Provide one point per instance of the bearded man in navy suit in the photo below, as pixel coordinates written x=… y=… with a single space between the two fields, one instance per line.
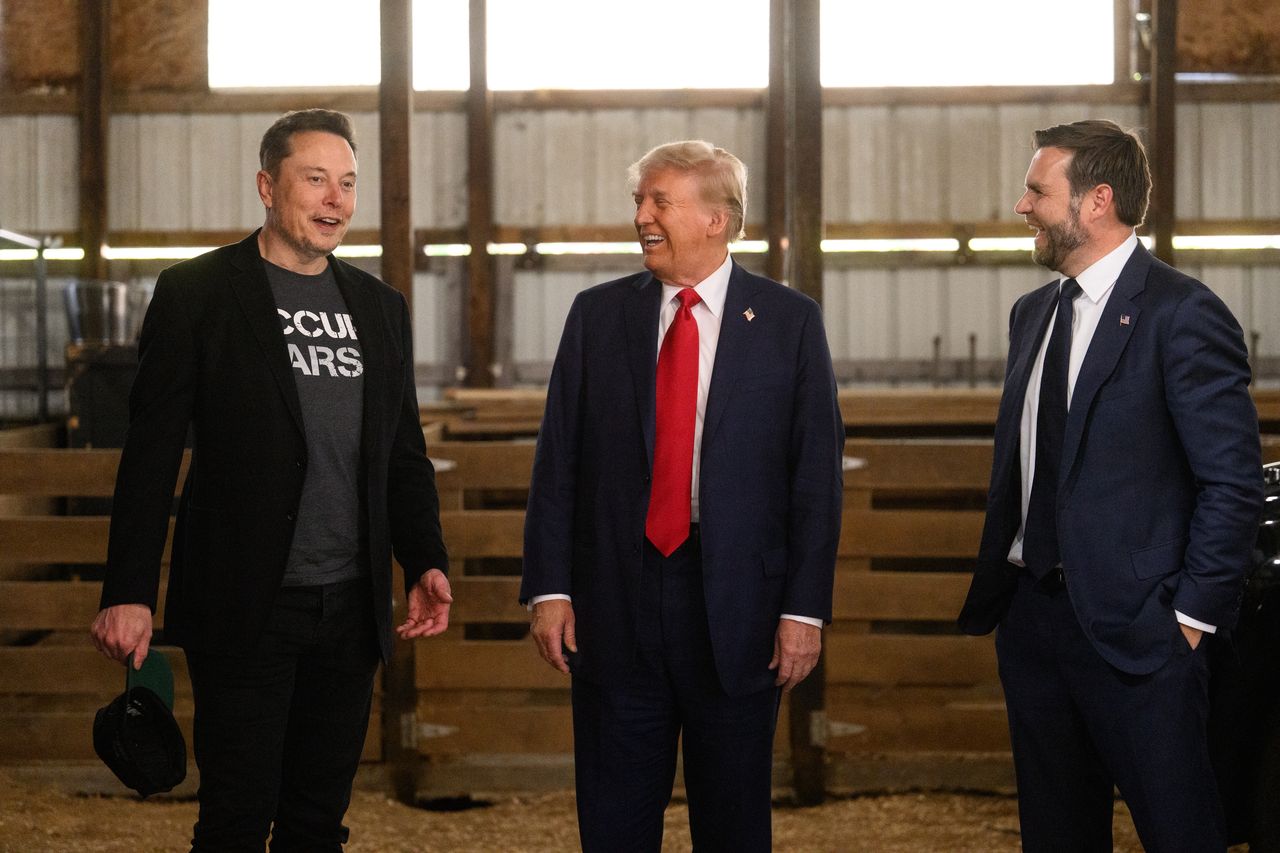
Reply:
x=683 y=516
x=1124 y=501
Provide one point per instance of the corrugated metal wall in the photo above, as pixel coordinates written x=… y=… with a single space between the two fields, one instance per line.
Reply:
x=567 y=167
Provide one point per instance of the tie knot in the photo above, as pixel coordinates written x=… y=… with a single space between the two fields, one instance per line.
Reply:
x=688 y=297
x=1070 y=290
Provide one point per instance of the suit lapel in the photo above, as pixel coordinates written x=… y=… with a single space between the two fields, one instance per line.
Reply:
x=731 y=348
x=641 y=311
x=1109 y=341
x=366 y=315
x=249 y=284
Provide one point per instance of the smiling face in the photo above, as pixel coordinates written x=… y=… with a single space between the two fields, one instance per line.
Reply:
x=1049 y=208
x=309 y=201
x=684 y=238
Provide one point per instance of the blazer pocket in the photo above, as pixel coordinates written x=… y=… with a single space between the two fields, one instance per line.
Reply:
x=1159 y=560
x=774 y=562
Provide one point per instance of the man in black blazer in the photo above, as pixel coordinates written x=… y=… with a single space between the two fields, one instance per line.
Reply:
x=294 y=373
x=683 y=516
x=1124 y=501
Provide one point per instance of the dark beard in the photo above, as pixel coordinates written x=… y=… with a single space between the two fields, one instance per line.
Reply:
x=1061 y=240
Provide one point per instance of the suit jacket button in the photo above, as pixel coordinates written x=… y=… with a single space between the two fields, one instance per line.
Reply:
x=291 y=516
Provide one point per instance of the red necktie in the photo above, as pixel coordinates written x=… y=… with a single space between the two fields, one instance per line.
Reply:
x=667 y=524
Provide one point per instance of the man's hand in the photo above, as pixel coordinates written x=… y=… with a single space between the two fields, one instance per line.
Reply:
x=429 y=601
x=122 y=630
x=796 y=647
x=552 y=631
x=1193 y=635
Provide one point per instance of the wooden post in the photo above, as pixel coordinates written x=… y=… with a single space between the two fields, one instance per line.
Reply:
x=1162 y=121
x=794 y=227
x=395 y=114
x=480 y=347
x=95 y=116
x=395 y=117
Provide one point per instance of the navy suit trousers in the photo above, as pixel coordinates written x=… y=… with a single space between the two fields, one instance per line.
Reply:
x=1080 y=726
x=625 y=737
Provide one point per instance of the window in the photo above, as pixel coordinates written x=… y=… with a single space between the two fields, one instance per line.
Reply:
x=983 y=43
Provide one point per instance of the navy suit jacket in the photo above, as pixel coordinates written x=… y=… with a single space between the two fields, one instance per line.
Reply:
x=1161 y=479
x=213 y=356
x=770 y=475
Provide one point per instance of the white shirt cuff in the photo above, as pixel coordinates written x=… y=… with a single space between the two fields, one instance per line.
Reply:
x=555 y=596
x=808 y=620
x=1195 y=623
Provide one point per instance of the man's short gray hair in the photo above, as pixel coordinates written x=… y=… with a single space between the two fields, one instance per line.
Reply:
x=722 y=176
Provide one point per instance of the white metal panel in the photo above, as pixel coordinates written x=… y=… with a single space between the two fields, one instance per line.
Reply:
x=18 y=168
x=1264 y=309
x=438 y=155
x=1234 y=286
x=972 y=181
x=569 y=166
x=541 y=303
x=164 y=172
x=57 y=173
x=218 y=177
x=252 y=127
x=973 y=307
x=518 y=168
x=1188 y=195
x=369 y=188
x=1224 y=160
x=919 y=310
x=431 y=315
x=124 y=204
x=1263 y=174
x=859 y=307
x=861 y=184
x=741 y=132
x=917 y=148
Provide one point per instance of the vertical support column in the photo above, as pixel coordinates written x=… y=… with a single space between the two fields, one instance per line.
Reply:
x=95 y=116
x=395 y=116
x=480 y=347
x=794 y=226
x=1162 y=121
x=395 y=113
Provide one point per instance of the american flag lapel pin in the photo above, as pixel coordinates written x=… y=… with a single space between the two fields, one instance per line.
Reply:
x=1124 y=319
x=749 y=314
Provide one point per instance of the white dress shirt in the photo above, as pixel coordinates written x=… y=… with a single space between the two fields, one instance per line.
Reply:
x=711 y=291
x=1096 y=284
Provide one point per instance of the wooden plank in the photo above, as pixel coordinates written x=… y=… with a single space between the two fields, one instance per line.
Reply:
x=484 y=532
x=480 y=277
x=901 y=407
x=910 y=533
x=395 y=117
x=870 y=596
x=95 y=122
x=484 y=599
x=876 y=720
x=910 y=660
x=932 y=465
x=484 y=464
x=63 y=472
x=490 y=664
x=67 y=670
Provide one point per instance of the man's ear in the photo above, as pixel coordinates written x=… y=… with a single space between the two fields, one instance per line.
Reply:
x=1098 y=202
x=719 y=221
x=265 y=188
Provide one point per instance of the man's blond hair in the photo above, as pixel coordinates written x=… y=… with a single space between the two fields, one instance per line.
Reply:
x=722 y=176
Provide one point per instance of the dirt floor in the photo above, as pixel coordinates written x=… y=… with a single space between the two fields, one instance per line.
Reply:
x=36 y=817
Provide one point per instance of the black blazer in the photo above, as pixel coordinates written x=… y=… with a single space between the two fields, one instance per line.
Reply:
x=769 y=480
x=1161 y=484
x=213 y=357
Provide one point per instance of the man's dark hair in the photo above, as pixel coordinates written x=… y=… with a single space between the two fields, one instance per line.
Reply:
x=1103 y=153
x=276 y=142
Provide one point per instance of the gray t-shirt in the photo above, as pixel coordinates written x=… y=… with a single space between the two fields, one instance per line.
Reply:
x=325 y=352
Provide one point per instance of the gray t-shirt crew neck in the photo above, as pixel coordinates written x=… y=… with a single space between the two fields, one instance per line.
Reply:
x=328 y=369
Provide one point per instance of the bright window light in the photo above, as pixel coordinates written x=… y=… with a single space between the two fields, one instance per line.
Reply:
x=661 y=44
x=983 y=43
x=66 y=254
x=266 y=45
x=932 y=244
x=1228 y=242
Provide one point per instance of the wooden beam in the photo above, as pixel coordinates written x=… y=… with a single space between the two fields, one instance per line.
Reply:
x=395 y=116
x=95 y=118
x=1162 y=121
x=777 y=116
x=480 y=318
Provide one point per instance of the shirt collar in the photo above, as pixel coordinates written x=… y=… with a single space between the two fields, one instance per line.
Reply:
x=712 y=290
x=1098 y=278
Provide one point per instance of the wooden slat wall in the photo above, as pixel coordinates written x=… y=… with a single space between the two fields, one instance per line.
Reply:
x=899 y=681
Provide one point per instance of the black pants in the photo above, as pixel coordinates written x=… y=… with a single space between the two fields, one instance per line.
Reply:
x=279 y=727
x=625 y=737
x=1079 y=727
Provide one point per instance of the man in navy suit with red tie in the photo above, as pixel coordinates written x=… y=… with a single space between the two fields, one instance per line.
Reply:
x=1124 y=502
x=683 y=516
